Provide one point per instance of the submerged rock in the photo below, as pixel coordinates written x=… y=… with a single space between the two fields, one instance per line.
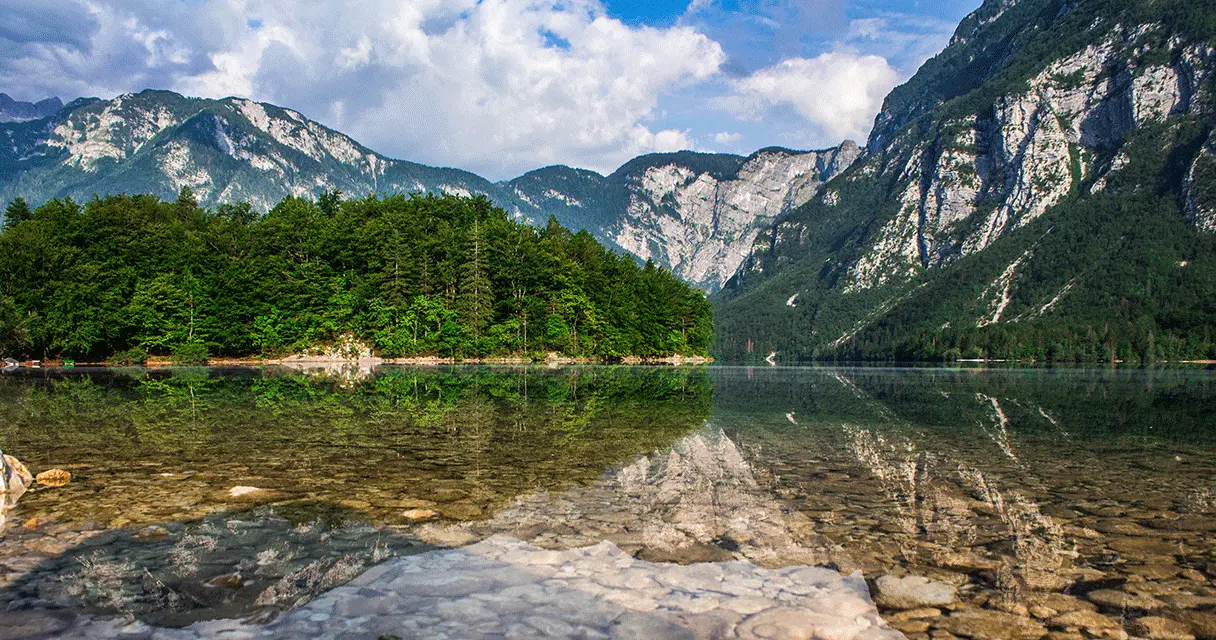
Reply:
x=15 y=479
x=699 y=501
x=417 y=515
x=228 y=580
x=983 y=624
x=246 y=492
x=912 y=592
x=1157 y=628
x=53 y=478
x=1123 y=601
x=152 y=532
x=1093 y=623
x=1202 y=624
x=505 y=587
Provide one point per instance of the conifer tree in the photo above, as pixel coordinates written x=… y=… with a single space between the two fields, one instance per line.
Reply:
x=17 y=211
x=476 y=294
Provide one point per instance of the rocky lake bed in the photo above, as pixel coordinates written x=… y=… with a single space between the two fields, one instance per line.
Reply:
x=935 y=504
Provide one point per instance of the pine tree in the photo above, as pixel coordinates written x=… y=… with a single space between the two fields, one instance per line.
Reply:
x=17 y=211
x=329 y=202
x=186 y=198
x=476 y=295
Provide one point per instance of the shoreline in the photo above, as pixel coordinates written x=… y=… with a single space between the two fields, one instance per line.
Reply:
x=552 y=360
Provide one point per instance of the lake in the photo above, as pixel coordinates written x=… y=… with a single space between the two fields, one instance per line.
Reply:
x=1036 y=493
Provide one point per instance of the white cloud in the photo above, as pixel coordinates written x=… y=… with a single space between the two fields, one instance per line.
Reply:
x=354 y=57
x=839 y=92
x=512 y=85
x=495 y=86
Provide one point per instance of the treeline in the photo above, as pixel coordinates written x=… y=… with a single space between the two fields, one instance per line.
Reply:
x=1055 y=341
x=407 y=275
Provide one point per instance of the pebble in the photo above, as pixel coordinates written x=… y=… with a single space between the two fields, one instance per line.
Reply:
x=983 y=624
x=1157 y=628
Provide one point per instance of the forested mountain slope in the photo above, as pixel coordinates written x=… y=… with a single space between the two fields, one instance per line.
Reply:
x=1041 y=189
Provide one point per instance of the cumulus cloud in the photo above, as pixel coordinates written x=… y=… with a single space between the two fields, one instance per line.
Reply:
x=837 y=92
x=727 y=138
x=497 y=86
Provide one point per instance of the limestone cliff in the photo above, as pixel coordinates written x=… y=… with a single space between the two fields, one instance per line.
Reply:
x=702 y=226
x=1031 y=105
x=697 y=214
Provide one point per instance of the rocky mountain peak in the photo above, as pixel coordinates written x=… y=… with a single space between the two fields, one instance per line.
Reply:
x=700 y=219
x=1031 y=108
x=16 y=111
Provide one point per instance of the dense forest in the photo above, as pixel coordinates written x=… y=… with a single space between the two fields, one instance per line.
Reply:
x=125 y=276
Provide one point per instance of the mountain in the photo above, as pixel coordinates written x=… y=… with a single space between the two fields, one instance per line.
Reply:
x=694 y=213
x=1043 y=188
x=15 y=111
x=228 y=150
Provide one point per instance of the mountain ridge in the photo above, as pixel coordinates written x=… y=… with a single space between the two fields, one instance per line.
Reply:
x=1036 y=112
x=232 y=149
x=17 y=111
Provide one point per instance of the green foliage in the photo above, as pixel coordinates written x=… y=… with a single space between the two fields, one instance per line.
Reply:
x=130 y=357
x=433 y=275
x=16 y=212
x=14 y=329
x=190 y=353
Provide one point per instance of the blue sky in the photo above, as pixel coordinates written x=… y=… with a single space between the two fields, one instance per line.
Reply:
x=500 y=86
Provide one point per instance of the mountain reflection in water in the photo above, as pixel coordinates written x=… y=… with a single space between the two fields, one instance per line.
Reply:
x=1023 y=488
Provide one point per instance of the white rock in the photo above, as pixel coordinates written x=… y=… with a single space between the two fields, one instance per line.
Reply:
x=912 y=592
